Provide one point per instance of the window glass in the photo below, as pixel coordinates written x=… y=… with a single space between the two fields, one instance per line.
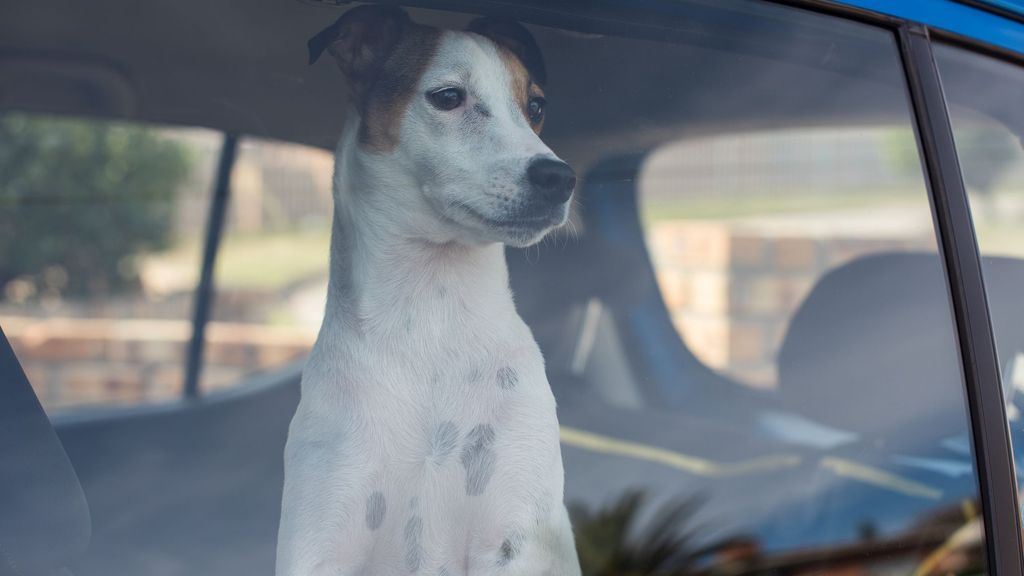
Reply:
x=741 y=225
x=988 y=127
x=100 y=224
x=747 y=326
x=270 y=277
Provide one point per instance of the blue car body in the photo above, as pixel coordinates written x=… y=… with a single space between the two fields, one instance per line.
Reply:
x=996 y=22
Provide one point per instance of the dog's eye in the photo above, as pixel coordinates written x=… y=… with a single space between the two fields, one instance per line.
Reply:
x=447 y=98
x=535 y=109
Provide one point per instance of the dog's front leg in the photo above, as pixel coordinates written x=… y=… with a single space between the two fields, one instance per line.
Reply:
x=318 y=534
x=565 y=560
x=553 y=550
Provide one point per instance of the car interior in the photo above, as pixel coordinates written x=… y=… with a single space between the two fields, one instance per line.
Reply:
x=194 y=486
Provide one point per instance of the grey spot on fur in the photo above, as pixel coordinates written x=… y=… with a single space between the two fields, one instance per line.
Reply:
x=443 y=571
x=376 y=506
x=478 y=458
x=413 y=543
x=507 y=378
x=444 y=441
x=509 y=549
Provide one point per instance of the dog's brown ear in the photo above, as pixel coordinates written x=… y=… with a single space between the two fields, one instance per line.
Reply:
x=517 y=39
x=361 y=40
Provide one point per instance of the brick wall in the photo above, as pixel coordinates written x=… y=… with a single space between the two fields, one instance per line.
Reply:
x=731 y=287
x=78 y=361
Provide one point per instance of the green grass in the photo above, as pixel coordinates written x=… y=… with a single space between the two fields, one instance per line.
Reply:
x=721 y=208
x=271 y=262
x=252 y=262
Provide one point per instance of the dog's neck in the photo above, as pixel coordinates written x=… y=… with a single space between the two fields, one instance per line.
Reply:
x=388 y=275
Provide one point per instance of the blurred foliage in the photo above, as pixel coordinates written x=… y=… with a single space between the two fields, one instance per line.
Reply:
x=612 y=542
x=79 y=199
x=634 y=537
x=900 y=151
x=985 y=154
x=986 y=151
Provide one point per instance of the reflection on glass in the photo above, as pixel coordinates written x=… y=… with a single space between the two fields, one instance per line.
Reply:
x=748 y=330
x=740 y=227
x=988 y=128
x=99 y=228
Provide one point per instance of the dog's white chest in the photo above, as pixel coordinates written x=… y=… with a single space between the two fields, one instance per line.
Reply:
x=444 y=459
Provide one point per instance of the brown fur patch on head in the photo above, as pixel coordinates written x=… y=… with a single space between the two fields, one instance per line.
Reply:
x=522 y=85
x=386 y=101
x=382 y=54
x=522 y=57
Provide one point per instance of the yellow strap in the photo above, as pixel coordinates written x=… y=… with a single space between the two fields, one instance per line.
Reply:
x=692 y=464
x=881 y=478
x=703 y=467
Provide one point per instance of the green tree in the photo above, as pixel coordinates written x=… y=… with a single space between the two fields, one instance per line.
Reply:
x=79 y=199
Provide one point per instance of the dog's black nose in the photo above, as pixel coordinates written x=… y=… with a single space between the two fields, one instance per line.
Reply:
x=554 y=180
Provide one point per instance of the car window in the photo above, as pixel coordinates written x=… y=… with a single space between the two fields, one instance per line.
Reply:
x=988 y=127
x=742 y=225
x=102 y=234
x=745 y=323
x=100 y=229
x=270 y=276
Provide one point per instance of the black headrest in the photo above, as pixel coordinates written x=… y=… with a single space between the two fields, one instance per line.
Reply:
x=873 y=349
x=44 y=519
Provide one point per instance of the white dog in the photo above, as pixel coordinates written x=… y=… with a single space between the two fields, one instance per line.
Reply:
x=426 y=440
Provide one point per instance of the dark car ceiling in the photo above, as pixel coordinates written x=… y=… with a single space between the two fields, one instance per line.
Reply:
x=240 y=65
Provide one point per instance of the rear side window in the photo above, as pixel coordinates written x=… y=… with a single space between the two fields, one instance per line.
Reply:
x=101 y=233
x=742 y=225
x=988 y=128
x=100 y=230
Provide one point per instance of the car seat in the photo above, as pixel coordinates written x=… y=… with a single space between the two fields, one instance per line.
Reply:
x=873 y=348
x=44 y=518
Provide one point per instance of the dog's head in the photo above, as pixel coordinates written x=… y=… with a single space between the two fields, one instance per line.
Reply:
x=459 y=112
